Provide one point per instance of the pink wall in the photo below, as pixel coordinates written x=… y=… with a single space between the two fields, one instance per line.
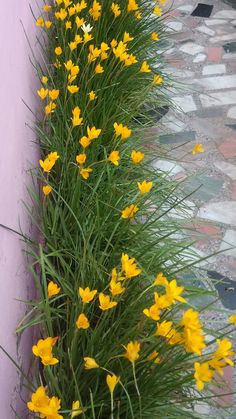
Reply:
x=17 y=153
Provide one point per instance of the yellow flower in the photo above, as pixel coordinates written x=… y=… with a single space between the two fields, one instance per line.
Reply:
x=61 y=15
x=93 y=133
x=68 y=65
x=79 y=21
x=53 y=94
x=53 y=156
x=122 y=131
x=132 y=351
x=173 y=292
x=43 y=349
x=73 y=88
x=73 y=73
x=42 y=93
x=99 y=69
x=58 y=51
x=72 y=45
x=40 y=22
x=76 y=119
x=46 y=165
x=145 y=68
x=72 y=11
x=87 y=37
x=129 y=266
x=81 y=158
x=53 y=289
x=76 y=409
x=157 y=79
x=190 y=320
x=47 y=190
x=90 y=363
x=153 y=312
x=145 y=186
x=85 y=173
x=93 y=53
x=92 y=95
x=81 y=6
x=154 y=36
x=132 y=6
x=160 y=280
x=82 y=322
x=164 y=328
x=67 y=3
x=129 y=59
x=193 y=341
x=129 y=212
x=114 y=43
x=115 y=8
x=232 y=319
x=50 y=108
x=48 y=24
x=85 y=141
x=157 y=11
x=51 y=411
x=95 y=11
x=202 y=374
x=137 y=156
x=68 y=24
x=116 y=288
x=105 y=302
x=47 y=8
x=112 y=381
x=198 y=148
x=114 y=157
x=87 y=295
x=78 y=39
x=154 y=357
x=218 y=365
x=127 y=37
x=138 y=15
x=44 y=79
x=224 y=351
x=39 y=400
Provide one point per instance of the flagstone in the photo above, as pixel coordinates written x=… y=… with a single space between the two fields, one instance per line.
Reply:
x=167 y=166
x=218 y=98
x=174 y=26
x=214 y=54
x=199 y=58
x=227 y=168
x=206 y=187
x=191 y=48
x=205 y=30
x=217 y=82
x=225 y=14
x=213 y=69
x=228 y=147
x=229 y=240
x=222 y=211
x=213 y=22
x=178 y=137
x=221 y=38
x=186 y=8
x=186 y=103
x=232 y=113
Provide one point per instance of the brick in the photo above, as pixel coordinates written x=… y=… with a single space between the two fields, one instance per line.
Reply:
x=214 y=54
x=228 y=147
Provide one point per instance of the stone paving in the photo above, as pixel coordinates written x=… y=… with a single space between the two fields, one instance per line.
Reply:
x=201 y=55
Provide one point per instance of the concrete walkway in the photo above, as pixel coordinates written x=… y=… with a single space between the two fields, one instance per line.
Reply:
x=202 y=57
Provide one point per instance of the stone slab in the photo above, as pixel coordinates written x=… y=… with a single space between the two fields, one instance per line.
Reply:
x=229 y=240
x=232 y=113
x=223 y=212
x=206 y=30
x=227 y=168
x=167 y=166
x=174 y=26
x=225 y=14
x=217 y=82
x=223 y=38
x=186 y=103
x=191 y=48
x=218 y=99
x=211 y=69
x=226 y=289
x=210 y=113
x=199 y=58
x=213 y=22
x=179 y=137
x=205 y=187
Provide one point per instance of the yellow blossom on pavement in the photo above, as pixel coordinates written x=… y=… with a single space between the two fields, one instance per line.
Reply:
x=81 y=158
x=122 y=131
x=154 y=36
x=72 y=88
x=105 y=302
x=46 y=190
x=145 y=68
x=58 y=51
x=112 y=381
x=132 y=351
x=114 y=157
x=232 y=319
x=76 y=409
x=42 y=93
x=50 y=108
x=85 y=173
x=203 y=374
x=129 y=267
x=87 y=295
x=92 y=95
x=53 y=289
x=129 y=212
x=39 y=400
x=76 y=118
x=82 y=322
x=137 y=156
x=90 y=363
x=198 y=148
x=115 y=8
x=145 y=186
x=157 y=79
x=43 y=349
x=53 y=94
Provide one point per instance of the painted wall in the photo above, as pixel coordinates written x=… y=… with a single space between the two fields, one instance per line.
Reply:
x=18 y=152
